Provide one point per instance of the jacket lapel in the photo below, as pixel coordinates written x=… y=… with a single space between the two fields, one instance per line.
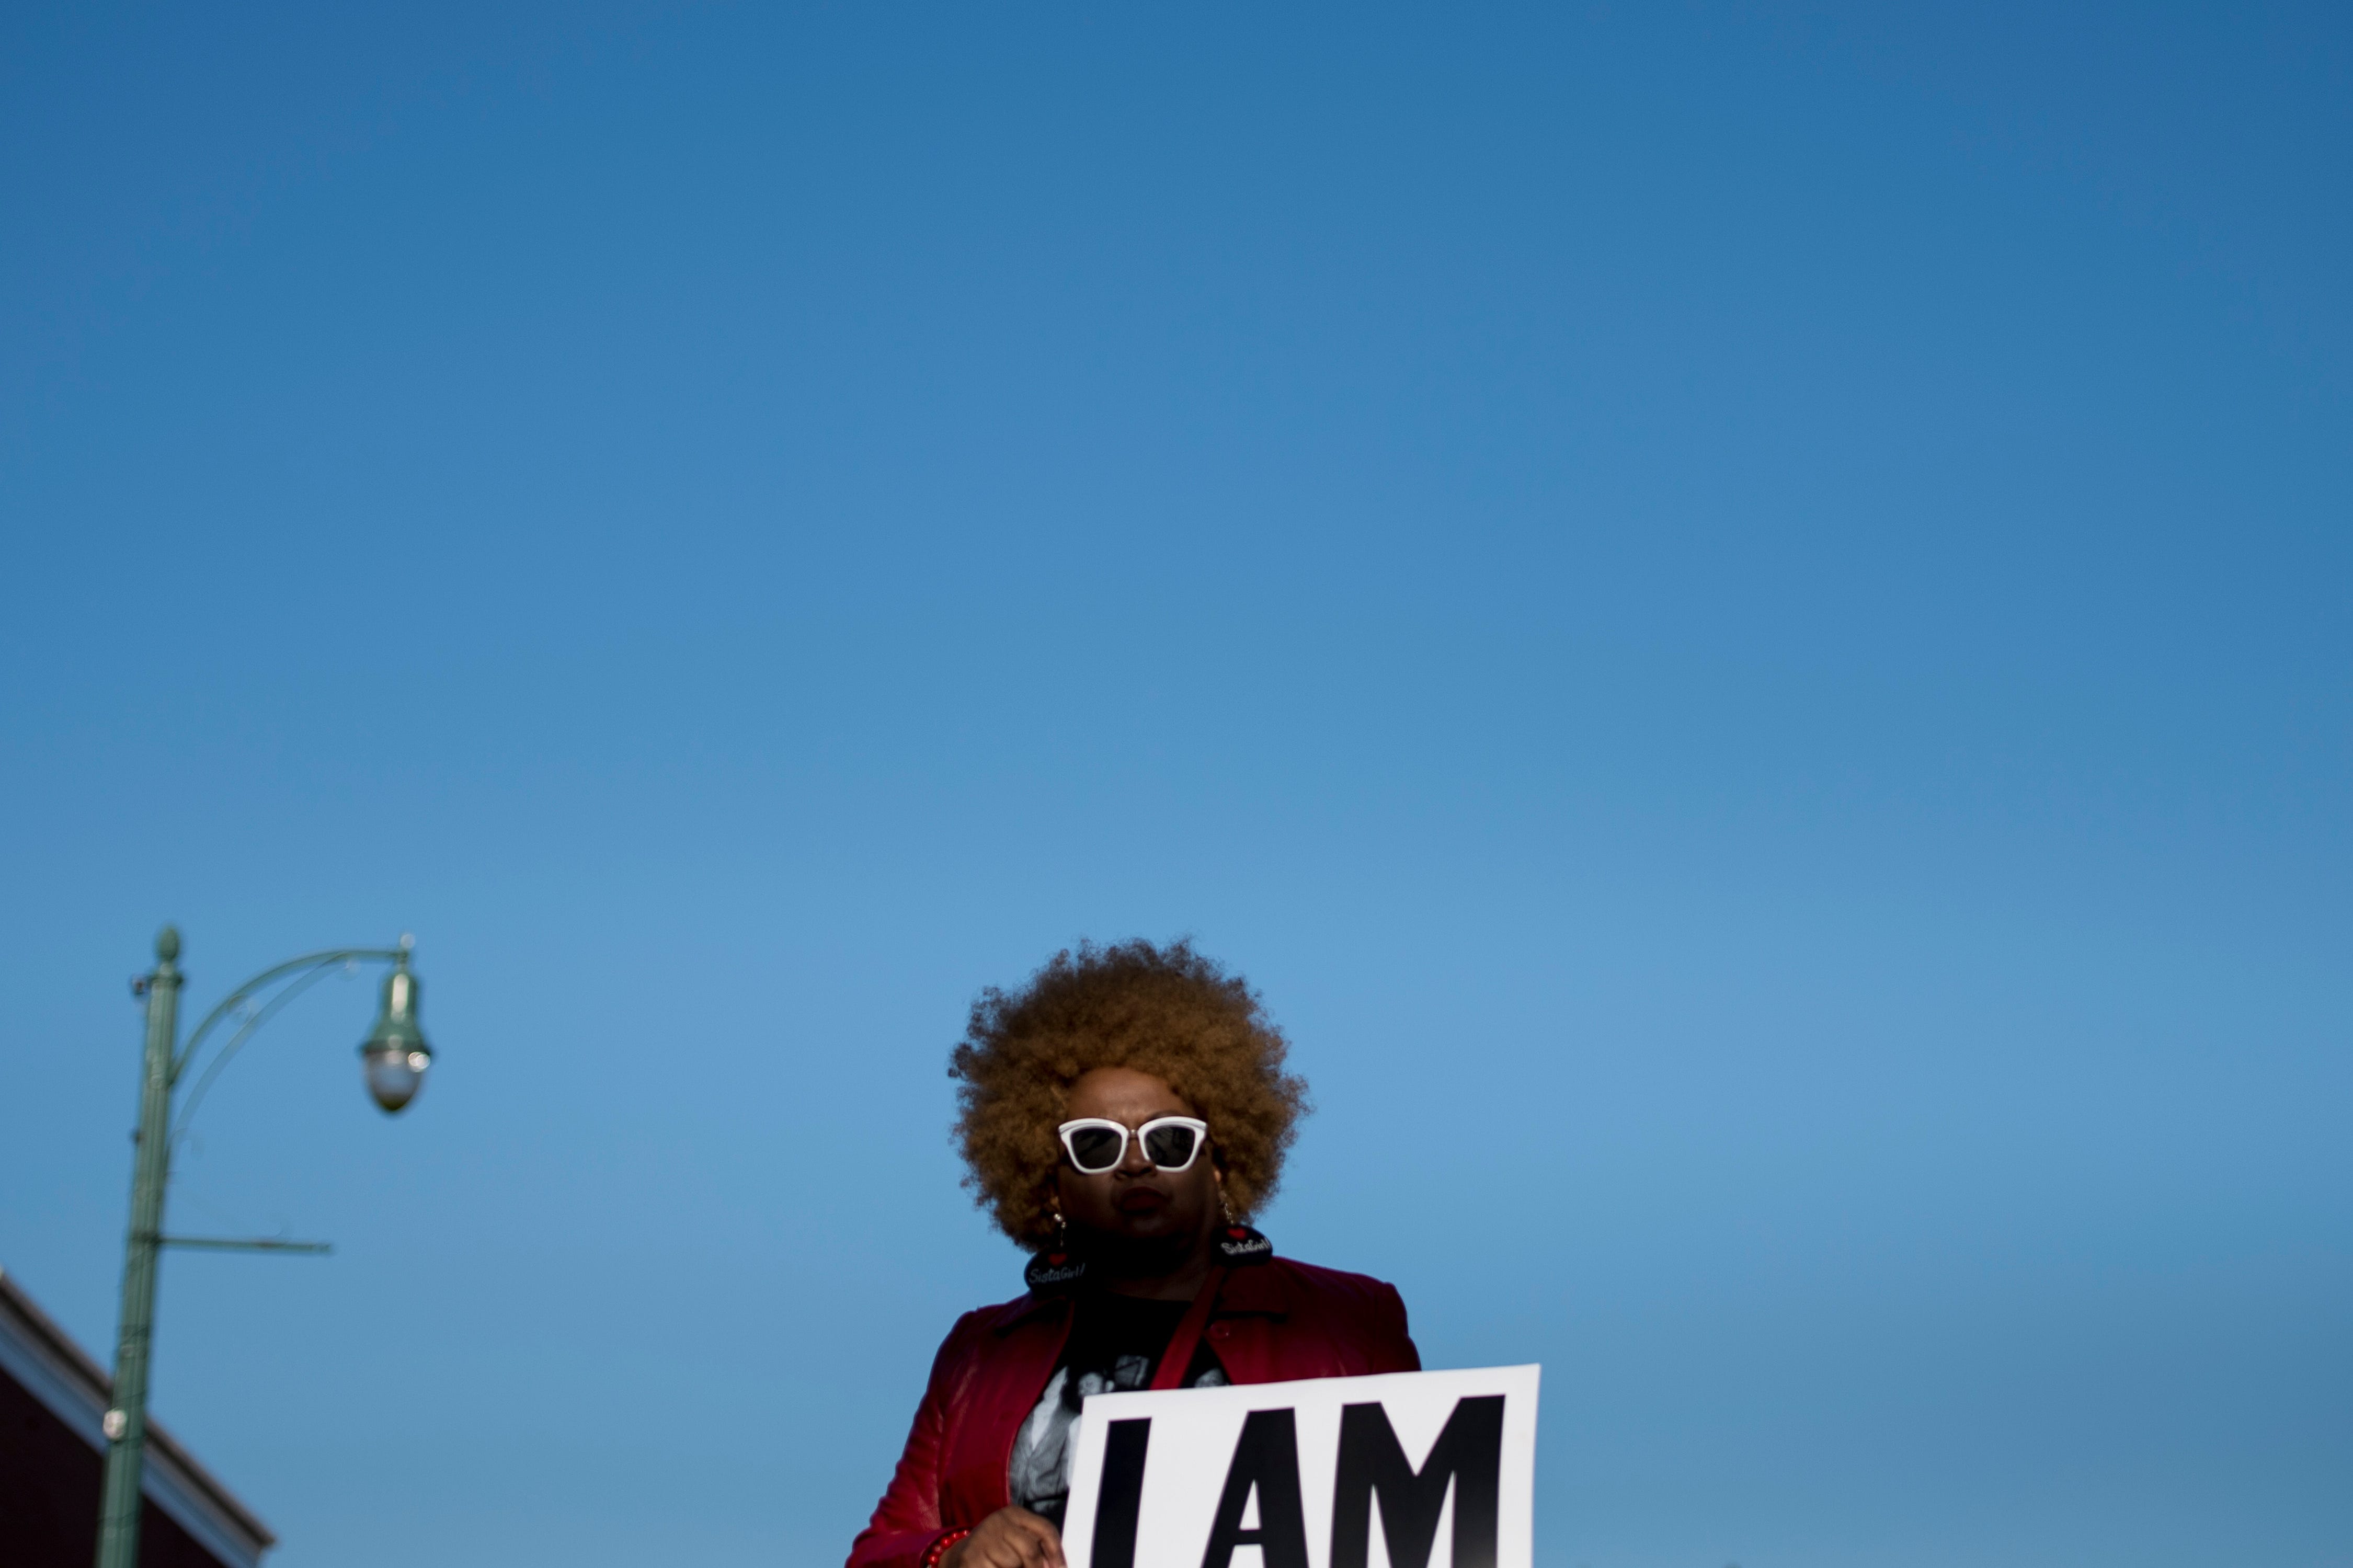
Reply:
x=1032 y=1332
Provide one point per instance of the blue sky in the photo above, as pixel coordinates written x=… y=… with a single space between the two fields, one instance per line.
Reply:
x=1739 y=614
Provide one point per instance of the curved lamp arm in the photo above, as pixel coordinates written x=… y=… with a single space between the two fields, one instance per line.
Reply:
x=222 y=1058
x=308 y=966
x=307 y=962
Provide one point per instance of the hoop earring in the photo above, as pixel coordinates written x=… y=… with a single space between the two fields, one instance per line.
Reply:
x=1225 y=1204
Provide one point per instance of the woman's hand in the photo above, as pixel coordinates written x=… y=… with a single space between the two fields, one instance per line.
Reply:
x=1009 y=1538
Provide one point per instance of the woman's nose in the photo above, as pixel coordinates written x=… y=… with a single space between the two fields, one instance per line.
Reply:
x=1134 y=1161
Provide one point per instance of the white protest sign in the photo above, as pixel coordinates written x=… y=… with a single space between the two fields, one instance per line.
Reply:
x=1410 y=1469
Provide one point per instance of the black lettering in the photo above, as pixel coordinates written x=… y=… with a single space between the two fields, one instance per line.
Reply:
x=1469 y=1454
x=1266 y=1460
x=1121 y=1497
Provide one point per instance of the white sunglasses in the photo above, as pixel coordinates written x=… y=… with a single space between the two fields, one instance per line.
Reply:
x=1096 y=1145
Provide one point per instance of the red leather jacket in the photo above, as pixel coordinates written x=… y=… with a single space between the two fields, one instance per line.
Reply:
x=1272 y=1322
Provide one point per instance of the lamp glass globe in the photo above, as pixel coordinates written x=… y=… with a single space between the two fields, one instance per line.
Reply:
x=394 y=1072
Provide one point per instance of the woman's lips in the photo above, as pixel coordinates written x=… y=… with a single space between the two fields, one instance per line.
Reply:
x=1142 y=1200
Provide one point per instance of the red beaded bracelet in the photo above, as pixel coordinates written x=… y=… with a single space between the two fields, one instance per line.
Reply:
x=939 y=1548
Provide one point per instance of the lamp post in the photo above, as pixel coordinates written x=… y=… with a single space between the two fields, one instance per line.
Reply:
x=392 y=1060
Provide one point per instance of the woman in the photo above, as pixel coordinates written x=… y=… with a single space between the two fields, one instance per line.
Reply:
x=1123 y=1114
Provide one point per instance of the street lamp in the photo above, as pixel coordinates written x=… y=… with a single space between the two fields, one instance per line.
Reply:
x=393 y=1060
x=394 y=1056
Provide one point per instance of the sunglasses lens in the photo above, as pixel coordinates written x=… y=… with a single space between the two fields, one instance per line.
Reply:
x=1096 y=1148
x=1170 y=1148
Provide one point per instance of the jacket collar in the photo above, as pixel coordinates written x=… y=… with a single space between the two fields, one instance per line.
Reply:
x=1261 y=1290
x=1021 y=1309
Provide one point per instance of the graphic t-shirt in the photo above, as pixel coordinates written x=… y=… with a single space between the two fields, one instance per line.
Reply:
x=1116 y=1342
